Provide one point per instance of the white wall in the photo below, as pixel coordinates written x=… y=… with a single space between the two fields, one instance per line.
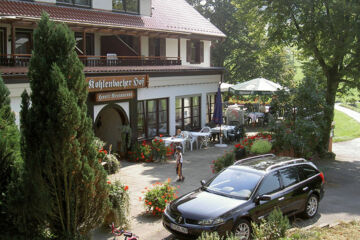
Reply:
x=171 y=47
x=15 y=98
x=97 y=44
x=144 y=46
x=102 y=4
x=180 y=86
x=207 y=48
x=145 y=7
x=47 y=1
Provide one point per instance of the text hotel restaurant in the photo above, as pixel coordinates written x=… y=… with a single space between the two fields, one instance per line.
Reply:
x=147 y=62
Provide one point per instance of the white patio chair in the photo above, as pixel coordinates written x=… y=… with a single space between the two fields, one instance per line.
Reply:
x=189 y=138
x=205 y=130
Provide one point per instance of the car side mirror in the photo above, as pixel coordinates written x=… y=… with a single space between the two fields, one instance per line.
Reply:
x=202 y=183
x=262 y=198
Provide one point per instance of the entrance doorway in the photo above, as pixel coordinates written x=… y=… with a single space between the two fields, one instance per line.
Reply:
x=108 y=126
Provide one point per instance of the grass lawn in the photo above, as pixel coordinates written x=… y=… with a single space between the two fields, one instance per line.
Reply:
x=343 y=231
x=346 y=128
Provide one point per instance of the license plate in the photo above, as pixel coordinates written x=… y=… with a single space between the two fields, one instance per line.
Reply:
x=179 y=228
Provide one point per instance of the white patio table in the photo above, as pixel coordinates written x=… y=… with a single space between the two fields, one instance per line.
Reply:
x=224 y=129
x=204 y=136
x=255 y=115
x=170 y=140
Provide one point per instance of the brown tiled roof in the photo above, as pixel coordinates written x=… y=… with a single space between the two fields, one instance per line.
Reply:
x=167 y=16
x=21 y=71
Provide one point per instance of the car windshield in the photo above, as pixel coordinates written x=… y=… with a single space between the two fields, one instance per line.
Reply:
x=234 y=182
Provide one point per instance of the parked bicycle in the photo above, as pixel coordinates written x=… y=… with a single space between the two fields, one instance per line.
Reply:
x=118 y=232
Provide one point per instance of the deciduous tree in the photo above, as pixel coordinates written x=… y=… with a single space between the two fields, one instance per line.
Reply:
x=326 y=31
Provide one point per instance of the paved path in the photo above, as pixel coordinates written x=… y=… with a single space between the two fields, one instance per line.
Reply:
x=339 y=204
x=355 y=115
x=196 y=167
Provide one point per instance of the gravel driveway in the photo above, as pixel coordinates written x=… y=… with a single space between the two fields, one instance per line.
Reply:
x=341 y=200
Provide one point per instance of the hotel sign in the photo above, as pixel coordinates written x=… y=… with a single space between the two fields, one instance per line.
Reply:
x=102 y=84
x=113 y=96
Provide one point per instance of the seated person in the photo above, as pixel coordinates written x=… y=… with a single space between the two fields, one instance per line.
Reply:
x=178 y=133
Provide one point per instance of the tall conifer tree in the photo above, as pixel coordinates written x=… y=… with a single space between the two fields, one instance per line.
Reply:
x=66 y=185
x=10 y=160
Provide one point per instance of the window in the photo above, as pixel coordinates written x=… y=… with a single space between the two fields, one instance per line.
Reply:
x=210 y=106
x=81 y=3
x=188 y=113
x=153 y=118
x=2 y=40
x=270 y=184
x=307 y=172
x=23 y=41
x=90 y=49
x=194 y=51
x=128 y=6
x=235 y=182
x=157 y=47
x=289 y=176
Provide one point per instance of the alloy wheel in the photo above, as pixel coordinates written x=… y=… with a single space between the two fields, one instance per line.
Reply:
x=312 y=206
x=243 y=231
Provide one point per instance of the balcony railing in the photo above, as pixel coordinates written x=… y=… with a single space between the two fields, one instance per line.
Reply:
x=22 y=60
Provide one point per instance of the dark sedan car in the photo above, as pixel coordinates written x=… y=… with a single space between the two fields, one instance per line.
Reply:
x=247 y=192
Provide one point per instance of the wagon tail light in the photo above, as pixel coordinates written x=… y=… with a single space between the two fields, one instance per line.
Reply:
x=322 y=177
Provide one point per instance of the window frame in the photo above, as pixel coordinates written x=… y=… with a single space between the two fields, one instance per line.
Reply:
x=210 y=105
x=289 y=169
x=25 y=31
x=90 y=45
x=4 y=44
x=276 y=173
x=125 y=10
x=145 y=115
x=199 y=51
x=191 y=117
x=72 y=3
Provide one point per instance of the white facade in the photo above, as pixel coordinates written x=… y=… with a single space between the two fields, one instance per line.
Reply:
x=171 y=47
x=15 y=98
x=145 y=5
x=177 y=87
x=102 y=4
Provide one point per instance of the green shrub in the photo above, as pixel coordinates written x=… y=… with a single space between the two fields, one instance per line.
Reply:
x=261 y=147
x=119 y=205
x=222 y=162
x=215 y=236
x=110 y=160
x=273 y=228
x=112 y=163
x=158 y=197
x=209 y=236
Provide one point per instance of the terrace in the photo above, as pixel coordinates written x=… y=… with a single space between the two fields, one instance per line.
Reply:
x=22 y=60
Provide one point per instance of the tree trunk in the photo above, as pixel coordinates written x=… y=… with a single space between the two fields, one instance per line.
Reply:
x=332 y=86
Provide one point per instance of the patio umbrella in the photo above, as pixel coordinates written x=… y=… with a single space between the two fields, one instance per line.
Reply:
x=260 y=86
x=217 y=116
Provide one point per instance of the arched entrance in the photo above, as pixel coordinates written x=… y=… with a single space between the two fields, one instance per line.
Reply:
x=108 y=125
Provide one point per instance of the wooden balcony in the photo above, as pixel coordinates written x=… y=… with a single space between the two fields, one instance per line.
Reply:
x=22 y=60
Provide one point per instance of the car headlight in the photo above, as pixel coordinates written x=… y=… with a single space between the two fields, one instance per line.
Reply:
x=211 y=221
x=218 y=221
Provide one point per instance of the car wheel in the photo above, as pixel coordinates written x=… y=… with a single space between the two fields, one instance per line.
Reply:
x=312 y=206
x=242 y=230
